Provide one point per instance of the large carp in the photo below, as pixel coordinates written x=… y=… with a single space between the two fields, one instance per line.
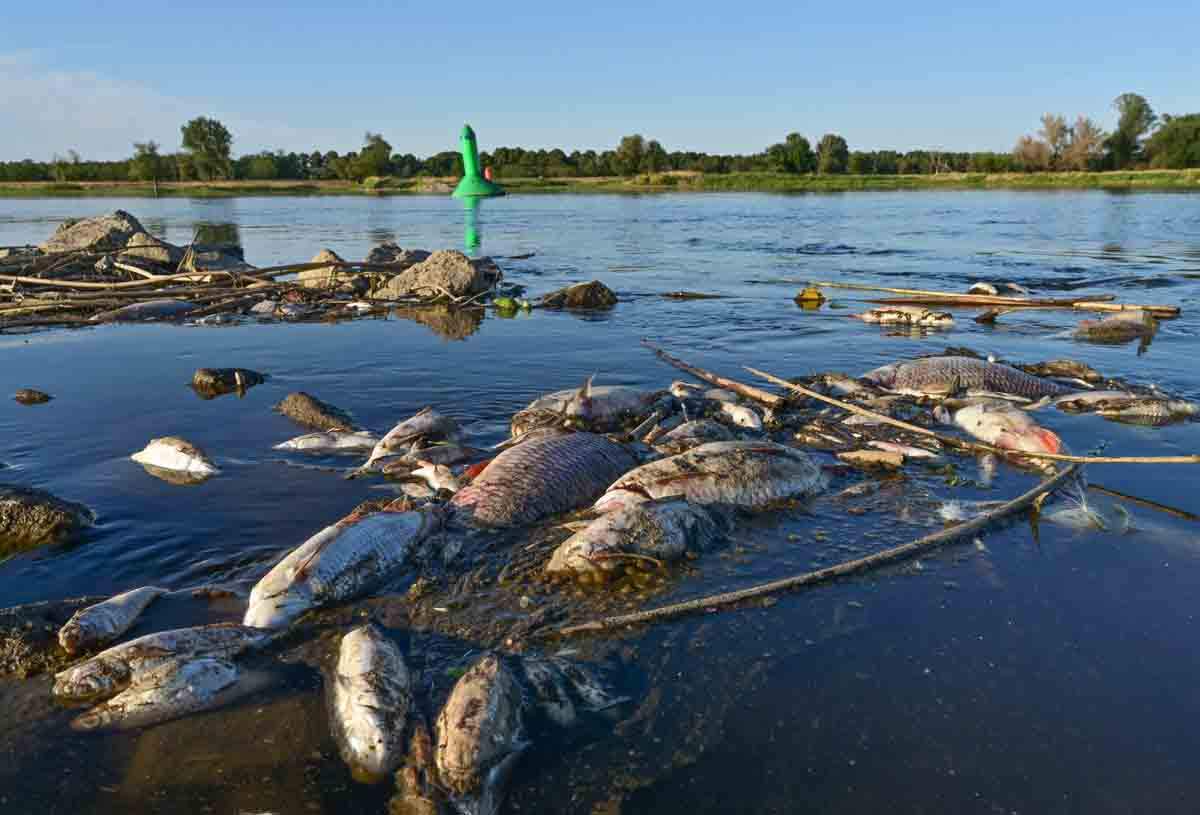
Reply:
x=946 y=375
x=746 y=474
x=338 y=563
x=542 y=477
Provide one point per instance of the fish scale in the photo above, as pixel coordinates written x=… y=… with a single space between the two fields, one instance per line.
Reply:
x=543 y=477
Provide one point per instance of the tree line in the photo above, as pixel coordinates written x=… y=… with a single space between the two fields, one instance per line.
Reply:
x=1142 y=139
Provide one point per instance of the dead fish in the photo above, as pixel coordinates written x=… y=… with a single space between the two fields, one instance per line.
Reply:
x=174 y=453
x=906 y=450
x=104 y=622
x=542 y=477
x=426 y=424
x=661 y=530
x=1120 y=327
x=982 y=287
x=30 y=396
x=747 y=474
x=1007 y=428
x=907 y=315
x=149 y=310
x=293 y=310
x=720 y=395
x=176 y=688
x=370 y=695
x=113 y=669
x=333 y=440
x=1150 y=412
x=437 y=476
x=945 y=375
x=692 y=434
x=1064 y=369
x=418 y=490
x=480 y=736
x=1088 y=401
x=741 y=415
x=336 y=564
x=560 y=688
x=842 y=384
x=599 y=408
x=264 y=308
x=684 y=390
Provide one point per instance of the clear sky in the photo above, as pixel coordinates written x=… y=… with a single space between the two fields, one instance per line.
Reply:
x=96 y=75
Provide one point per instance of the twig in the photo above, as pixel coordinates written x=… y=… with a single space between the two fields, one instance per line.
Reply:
x=863 y=564
x=972 y=445
x=748 y=391
x=1145 y=502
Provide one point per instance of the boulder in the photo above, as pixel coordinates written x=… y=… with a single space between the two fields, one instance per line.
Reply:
x=211 y=382
x=444 y=272
x=104 y=233
x=207 y=260
x=331 y=278
x=144 y=246
x=29 y=636
x=310 y=411
x=582 y=295
x=393 y=254
x=30 y=517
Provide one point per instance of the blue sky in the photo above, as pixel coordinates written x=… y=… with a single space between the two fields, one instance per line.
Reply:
x=720 y=77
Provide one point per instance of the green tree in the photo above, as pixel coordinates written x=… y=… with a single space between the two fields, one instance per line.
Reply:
x=1135 y=117
x=861 y=163
x=799 y=153
x=374 y=159
x=655 y=159
x=833 y=155
x=209 y=143
x=1176 y=144
x=630 y=153
x=146 y=164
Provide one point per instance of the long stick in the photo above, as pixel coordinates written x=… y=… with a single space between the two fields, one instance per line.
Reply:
x=973 y=445
x=749 y=391
x=886 y=557
x=1145 y=502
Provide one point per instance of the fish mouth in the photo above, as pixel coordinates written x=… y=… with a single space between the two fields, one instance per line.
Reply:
x=88 y=721
x=274 y=612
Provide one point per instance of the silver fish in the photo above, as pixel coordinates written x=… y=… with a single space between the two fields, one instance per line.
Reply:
x=600 y=407
x=331 y=441
x=480 y=736
x=338 y=563
x=110 y=671
x=907 y=315
x=171 y=690
x=1151 y=412
x=437 y=476
x=943 y=375
x=741 y=415
x=174 y=453
x=748 y=474
x=149 y=310
x=542 y=477
x=663 y=530
x=691 y=434
x=104 y=622
x=1087 y=401
x=369 y=699
x=425 y=424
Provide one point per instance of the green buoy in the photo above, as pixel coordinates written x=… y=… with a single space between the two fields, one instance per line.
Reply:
x=473 y=184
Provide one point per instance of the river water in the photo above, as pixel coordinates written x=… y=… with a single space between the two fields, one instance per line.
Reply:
x=1037 y=670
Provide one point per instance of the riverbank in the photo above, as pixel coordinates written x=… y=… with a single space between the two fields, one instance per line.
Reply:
x=1149 y=180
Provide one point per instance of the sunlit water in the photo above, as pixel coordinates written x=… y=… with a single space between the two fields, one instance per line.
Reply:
x=1047 y=673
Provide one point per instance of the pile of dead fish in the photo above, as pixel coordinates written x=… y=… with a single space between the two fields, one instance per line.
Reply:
x=659 y=475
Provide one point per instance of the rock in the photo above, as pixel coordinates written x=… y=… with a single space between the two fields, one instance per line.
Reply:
x=310 y=411
x=30 y=517
x=873 y=459
x=104 y=233
x=391 y=253
x=582 y=295
x=19 y=252
x=29 y=396
x=444 y=272
x=1117 y=328
x=205 y=260
x=29 y=636
x=331 y=278
x=211 y=382
x=147 y=247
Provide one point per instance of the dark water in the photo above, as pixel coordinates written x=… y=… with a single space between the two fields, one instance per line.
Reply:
x=1047 y=673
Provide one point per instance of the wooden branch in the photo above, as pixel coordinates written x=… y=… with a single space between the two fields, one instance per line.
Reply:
x=1145 y=502
x=748 y=391
x=857 y=566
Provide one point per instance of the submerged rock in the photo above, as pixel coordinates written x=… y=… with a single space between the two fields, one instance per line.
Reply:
x=332 y=278
x=31 y=517
x=582 y=296
x=211 y=382
x=103 y=233
x=28 y=636
x=29 y=396
x=310 y=411
x=444 y=272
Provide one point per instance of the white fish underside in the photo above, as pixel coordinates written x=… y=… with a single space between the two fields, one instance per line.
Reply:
x=104 y=622
x=175 y=454
x=370 y=697
x=331 y=440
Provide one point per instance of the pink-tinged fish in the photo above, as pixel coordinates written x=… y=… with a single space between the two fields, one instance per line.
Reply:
x=1008 y=428
x=542 y=477
x=943 y=375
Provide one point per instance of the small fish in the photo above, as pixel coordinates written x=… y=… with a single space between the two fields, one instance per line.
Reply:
x=982 y=287
x=560 y=688
x=437 y=476
x=104 y=622
x=112 y=670
x=333 y=440
x=843 y=385
x=542 y=477
x=600 y=408
x=370 y=696
x=1064 y=369
x=174 y=453
x=1150 y=412
x=480 y=735
x=264 y=308
x=684 y=390
x=149 y=310
x=906 y=450
x=692 y=434
x=720 y=395
x=741 y=415
x=946 y=375
x=747 y=474
x=426 y=424
x=336 y=564
x=1088 y=401
x=907 y=315
x=661 y=530
x=1007 y=428
x=174 y=689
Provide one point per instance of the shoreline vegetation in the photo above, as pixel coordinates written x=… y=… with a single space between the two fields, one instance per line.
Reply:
x=672 y=181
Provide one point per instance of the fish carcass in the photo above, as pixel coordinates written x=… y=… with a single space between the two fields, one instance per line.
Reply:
x=113 y=669
x=945 y=375
x=692 y=434
x=746 y=474
x=338 y=563
x=560 y=689
x=370 y=694
x=173 y=689
x=104 y=622
x=542 y=477
x=426 y=424
x=174 y=453
x=1149 y=411
x=599 y=408
x=149 y=310
x=1117 y=328
x=437 y=476
x=662 y=529
x=1008 y=428
x=334 y=440
x=907 y=315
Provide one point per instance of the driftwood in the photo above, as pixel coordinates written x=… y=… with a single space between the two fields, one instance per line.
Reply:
x=748 y=391
x=857 y=566
x=953 y=442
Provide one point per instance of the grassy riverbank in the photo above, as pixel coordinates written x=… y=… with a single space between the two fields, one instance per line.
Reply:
x=656 y=182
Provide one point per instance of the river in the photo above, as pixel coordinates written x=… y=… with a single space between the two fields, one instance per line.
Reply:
x=1038 y=670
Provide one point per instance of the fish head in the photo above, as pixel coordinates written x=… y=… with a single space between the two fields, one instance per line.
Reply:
x=884 y=376
x=276 y=610
x=93 y=680
x=97 y=718
x=618 y=499
x=71 y=637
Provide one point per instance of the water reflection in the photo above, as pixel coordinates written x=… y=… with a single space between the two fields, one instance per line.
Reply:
x=223 y=236
x=472 y=239
x=446 y=322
